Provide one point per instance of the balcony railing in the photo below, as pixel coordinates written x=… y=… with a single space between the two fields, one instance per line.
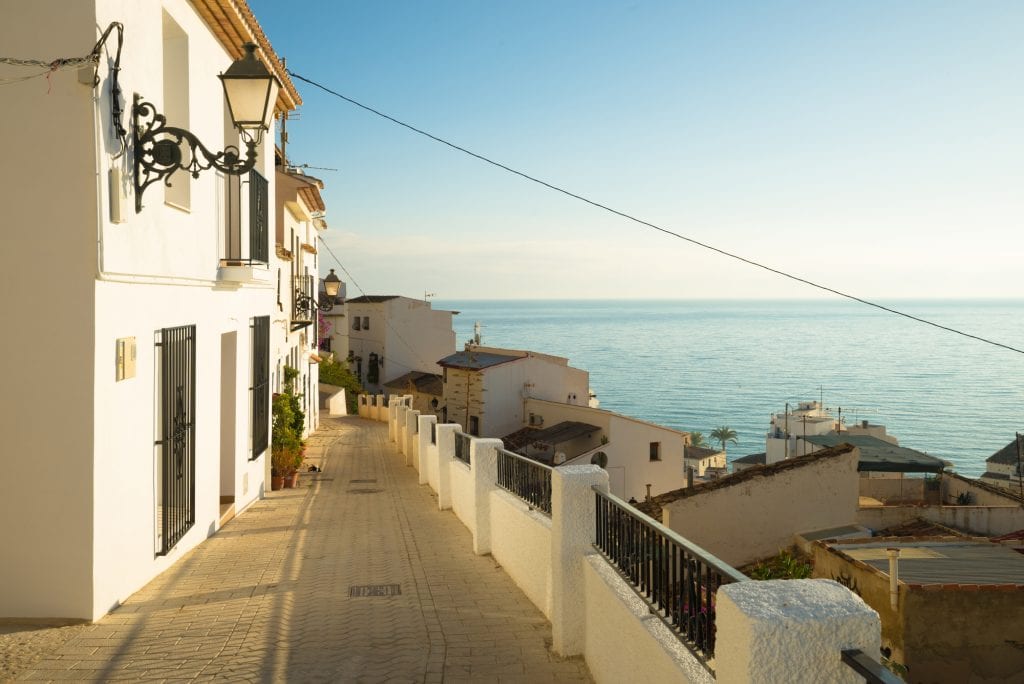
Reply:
x=872 y=671
x=462 y=442
x=676 y=578
x=526 y=478
x=252 y=246
x=303 y=302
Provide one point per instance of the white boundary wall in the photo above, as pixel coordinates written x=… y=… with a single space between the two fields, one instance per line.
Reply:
x=594 y=612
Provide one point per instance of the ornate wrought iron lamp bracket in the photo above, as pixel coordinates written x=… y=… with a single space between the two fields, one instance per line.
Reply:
x=158 y=151
x=304 y=302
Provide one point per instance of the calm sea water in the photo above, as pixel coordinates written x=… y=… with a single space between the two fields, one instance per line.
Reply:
x=696 y=365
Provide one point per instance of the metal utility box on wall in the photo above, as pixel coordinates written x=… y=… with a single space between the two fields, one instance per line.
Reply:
x=125 y=358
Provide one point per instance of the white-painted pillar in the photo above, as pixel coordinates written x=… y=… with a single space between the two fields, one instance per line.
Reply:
x=425 y=448
x=445 y=454
x=791 y=631
x=364 y=410
x=573 y=518
x=398 y=421
x=409 y=435
x=483 y=454
x=390 y=416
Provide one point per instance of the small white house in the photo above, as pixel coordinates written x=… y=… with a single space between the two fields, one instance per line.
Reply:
x=137 y=416
x=385 y=337
x=1005 y=468
x=636 y=454
x=486 y=388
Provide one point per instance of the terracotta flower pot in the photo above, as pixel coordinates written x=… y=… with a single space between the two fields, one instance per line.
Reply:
x=276 y=482
x=292 y=480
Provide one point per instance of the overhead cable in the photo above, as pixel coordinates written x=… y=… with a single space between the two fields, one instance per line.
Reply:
x=653 y=226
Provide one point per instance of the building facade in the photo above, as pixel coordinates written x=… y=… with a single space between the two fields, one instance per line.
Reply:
x=142 y=419
x=384 y=337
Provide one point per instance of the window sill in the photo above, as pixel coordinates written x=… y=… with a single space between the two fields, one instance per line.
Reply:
x=238 y=272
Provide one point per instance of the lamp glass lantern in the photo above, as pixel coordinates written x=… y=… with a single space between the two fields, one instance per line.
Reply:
x=251 y=92
x=332 y=285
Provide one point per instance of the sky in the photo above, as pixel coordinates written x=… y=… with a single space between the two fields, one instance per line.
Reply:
x=874 y=147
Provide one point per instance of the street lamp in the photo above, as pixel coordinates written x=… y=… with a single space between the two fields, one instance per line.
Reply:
x=307 y=304
x=250 y=90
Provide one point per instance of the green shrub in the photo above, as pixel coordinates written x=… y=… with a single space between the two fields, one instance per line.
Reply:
x=338 y=374
x=287 y=421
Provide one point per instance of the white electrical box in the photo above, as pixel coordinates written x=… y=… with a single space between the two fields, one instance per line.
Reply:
x=125 y=358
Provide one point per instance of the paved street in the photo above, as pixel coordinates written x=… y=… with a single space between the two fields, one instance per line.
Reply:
x=354 y=576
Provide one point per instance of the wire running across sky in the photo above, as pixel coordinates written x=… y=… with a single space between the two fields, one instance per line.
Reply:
x=653 y=226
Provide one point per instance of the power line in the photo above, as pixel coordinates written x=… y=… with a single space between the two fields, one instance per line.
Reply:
x=653 y=226
x=408 y=346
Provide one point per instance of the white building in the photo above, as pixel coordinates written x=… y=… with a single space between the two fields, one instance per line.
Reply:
x=637 y=455
x=137 y=415
x=295 y=338
x=1005 y=468
x=384 y=337
x=486 y=388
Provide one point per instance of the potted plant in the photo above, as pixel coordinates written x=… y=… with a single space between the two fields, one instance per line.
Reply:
x=287 y=447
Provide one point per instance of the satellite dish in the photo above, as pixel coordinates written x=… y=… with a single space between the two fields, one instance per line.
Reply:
x=600 y=459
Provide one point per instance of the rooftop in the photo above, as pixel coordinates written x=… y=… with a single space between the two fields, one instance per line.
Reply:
x=371 y=299
x=1005 y=456
x=940 y=561
x=653 y=507
x=476 y=360
x=696 y=452
x=877 y=455
x=425 y=383
x=752 y=459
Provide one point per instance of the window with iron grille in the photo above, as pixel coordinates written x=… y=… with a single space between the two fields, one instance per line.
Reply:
x=259 y=243
x=260 y=390
x=176 y=503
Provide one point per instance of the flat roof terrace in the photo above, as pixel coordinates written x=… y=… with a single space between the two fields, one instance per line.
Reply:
x=941 y=561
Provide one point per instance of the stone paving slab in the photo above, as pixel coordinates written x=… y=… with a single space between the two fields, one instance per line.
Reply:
x=299 y=587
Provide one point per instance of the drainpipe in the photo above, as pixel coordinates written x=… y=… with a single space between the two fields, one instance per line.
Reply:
x=894 y=576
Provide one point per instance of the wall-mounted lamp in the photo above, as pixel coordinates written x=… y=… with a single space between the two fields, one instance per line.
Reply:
x=250 y=90
x=332 y=286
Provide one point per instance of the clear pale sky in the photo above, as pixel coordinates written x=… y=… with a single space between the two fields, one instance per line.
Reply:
x=876 y=147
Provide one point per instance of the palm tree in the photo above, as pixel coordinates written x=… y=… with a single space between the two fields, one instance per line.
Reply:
x=697 y=439
x=724 y=434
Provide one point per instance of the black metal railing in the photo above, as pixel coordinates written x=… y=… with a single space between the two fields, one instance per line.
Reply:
x=176 y=509
x=676 y=578
x=872 y=671
x=257 y=250
x=462 y=444
x=303 y=302
x=259 y=203
x=260 y=389
x=526 y=478
x=433 y=433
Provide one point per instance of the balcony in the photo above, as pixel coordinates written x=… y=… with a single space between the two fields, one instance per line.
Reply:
x=304 y=306
x=246 y=244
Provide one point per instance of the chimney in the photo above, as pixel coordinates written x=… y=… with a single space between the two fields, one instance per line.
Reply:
x=689 y=476
x=648 y=493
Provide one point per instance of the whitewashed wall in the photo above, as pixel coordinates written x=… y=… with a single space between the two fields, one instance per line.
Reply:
x=87 y=514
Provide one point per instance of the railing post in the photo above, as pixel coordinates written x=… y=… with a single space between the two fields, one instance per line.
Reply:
x=424 y=451
x=573 y=518
x=484 y=457
x=410 y=442
x=398 y=426
x=390 y=417
x=791 y=630
x=445 y=454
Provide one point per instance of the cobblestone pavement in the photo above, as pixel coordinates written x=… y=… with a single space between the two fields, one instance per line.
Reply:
x=295 y=589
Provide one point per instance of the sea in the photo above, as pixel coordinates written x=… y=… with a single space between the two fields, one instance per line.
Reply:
x=696 y=365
